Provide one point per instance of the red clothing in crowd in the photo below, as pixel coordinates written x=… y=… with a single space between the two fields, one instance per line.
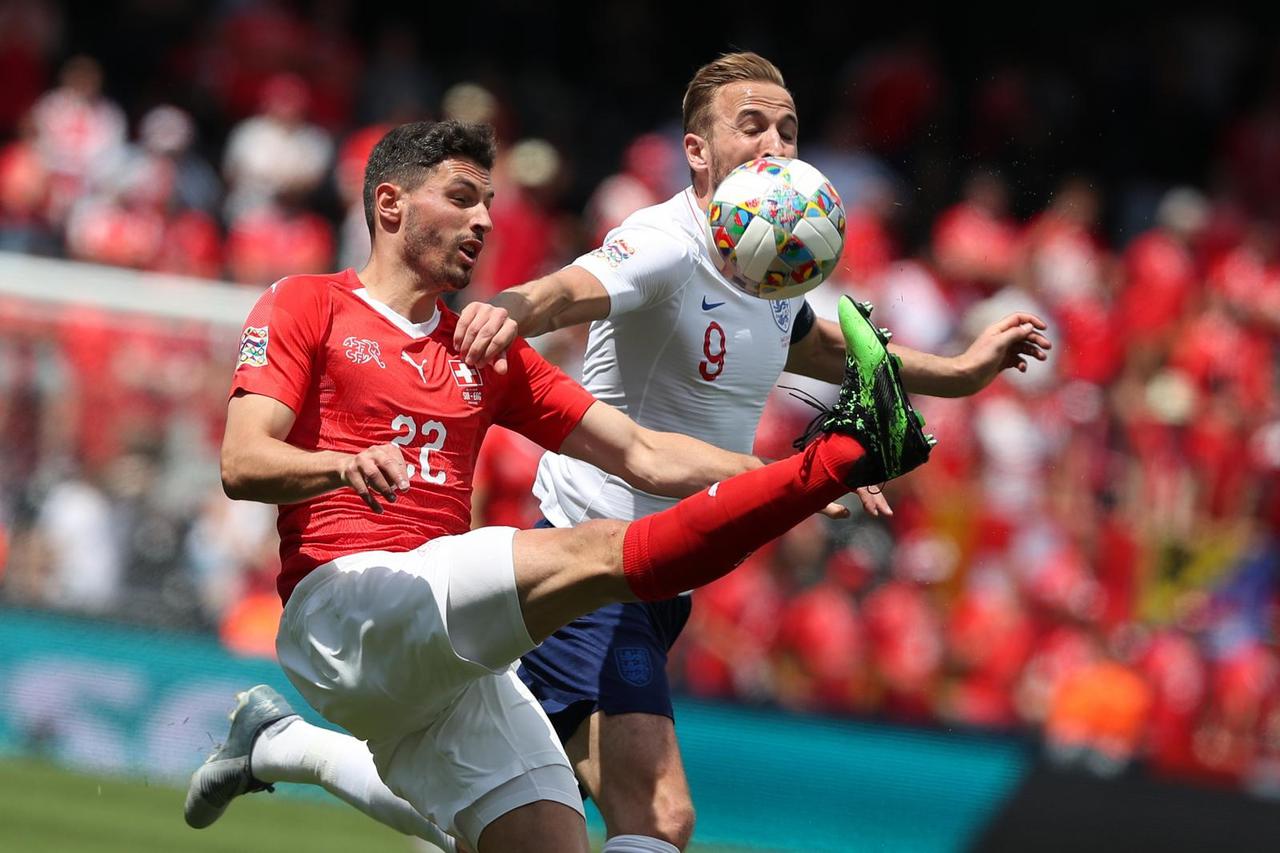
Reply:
x=504 y=478
x=269 y=243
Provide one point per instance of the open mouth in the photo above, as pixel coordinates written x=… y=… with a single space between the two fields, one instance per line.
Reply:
x=470 y=249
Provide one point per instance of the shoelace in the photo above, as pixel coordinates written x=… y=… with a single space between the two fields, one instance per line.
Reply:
x=811 y=431
x=815 y=425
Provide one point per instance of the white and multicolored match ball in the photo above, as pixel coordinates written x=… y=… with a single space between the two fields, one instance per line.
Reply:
x=775 y=227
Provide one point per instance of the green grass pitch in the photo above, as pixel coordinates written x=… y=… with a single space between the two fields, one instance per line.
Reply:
x=47 y=809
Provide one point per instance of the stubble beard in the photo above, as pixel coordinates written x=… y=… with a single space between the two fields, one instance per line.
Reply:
x=430 y=248
x=718 y=170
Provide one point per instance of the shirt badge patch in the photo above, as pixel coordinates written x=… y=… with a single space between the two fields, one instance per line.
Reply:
x=363 y=350
x=614 y=252
x=782 y=313
x=468 y=378
x=253 y=347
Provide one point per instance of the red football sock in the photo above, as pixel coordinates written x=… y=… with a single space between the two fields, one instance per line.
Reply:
x=705 y=535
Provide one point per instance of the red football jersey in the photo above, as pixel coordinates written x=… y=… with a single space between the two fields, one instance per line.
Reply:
x=358 y=374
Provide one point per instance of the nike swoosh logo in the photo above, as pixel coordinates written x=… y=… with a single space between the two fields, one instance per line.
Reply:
x=707 y=306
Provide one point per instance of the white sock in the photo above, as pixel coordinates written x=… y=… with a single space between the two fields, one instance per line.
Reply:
x=293 y=750
x=638 y=844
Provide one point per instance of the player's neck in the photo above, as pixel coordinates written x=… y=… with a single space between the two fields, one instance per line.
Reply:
x=401 y=290
x=702 y=192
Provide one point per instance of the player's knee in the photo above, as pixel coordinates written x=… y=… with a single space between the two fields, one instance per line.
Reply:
x=674 y=822
x=663 y=815
x=599 y=545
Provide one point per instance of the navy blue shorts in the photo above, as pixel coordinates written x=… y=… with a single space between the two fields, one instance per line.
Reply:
x=613 y=660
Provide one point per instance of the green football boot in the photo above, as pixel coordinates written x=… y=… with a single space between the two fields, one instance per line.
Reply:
x=873 y=407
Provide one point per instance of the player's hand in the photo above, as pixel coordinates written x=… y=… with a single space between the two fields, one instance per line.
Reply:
x=873 y=501
x=379 y=470
x=835 y=510
x=1005 y=344
x=483 y=334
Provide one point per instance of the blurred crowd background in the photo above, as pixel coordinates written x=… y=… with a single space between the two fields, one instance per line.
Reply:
x=1090 y=556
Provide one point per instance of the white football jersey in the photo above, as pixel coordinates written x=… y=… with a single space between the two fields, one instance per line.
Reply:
x=682 y=350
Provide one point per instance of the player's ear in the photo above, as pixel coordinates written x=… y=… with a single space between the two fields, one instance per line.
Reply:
x=388 y=206
x=697 y=151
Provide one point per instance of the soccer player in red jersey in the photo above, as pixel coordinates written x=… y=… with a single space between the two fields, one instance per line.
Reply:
x=352 y=409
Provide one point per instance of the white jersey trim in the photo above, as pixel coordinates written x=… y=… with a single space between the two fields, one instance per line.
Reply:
x=417 y=331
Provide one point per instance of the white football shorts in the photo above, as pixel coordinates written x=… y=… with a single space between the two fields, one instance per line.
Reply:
x=413 y=652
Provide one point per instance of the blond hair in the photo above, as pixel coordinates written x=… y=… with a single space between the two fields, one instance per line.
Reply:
x=730 y=68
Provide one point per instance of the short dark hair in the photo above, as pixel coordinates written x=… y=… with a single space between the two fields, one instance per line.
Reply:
x=408 y=152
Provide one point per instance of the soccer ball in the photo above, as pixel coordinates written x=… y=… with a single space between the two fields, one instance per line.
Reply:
x=775 y=227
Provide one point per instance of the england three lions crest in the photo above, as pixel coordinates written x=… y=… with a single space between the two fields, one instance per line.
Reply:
x=782 y=313
x=634 y=665
x=469 y=379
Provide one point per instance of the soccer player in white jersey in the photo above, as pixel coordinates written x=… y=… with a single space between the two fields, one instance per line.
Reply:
x=676 y=347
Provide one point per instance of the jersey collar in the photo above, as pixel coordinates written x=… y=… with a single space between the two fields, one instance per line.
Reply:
x=416 y=331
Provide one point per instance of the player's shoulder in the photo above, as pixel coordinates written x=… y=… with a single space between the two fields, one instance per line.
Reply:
x=665 y=232
x=676 y=219
x=315 y=290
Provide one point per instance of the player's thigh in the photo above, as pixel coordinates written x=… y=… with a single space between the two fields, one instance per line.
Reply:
x=365 y=640
x=379 y=642
x=630 y=764
x=564 y=573
x=491 y=752
x=541 y=827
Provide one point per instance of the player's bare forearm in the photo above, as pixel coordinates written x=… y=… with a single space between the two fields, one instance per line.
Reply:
x=567 y=297
x=485 y=330
x=258 y=464
x=274 y=472
x=1005 y=344
x=661 y=463
x=931 y=375
x=676 y=466
x=820 y=355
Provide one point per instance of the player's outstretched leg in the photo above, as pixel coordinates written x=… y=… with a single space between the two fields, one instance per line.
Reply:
x=873 y=406
x=225 y=773
x=870 y=435
x=269 y=743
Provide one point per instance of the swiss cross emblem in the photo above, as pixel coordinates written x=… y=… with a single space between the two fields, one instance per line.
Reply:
x=468 y=379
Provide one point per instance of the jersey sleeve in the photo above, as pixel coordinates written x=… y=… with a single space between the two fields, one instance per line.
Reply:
x=804 y=322
x=639 y=266
x=280 y=341
x=541 y=403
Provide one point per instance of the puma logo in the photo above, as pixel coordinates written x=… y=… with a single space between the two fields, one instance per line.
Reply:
x=418 y=367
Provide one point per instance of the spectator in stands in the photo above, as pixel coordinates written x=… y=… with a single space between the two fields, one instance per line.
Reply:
x=642 y=181
x=353 y=234
x=275 y=152
x=269 y=240
x=168 y=134
x=80 y=546
x=77 y=128
x=975 y=241
x=24 y=196
x=1160 y=271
